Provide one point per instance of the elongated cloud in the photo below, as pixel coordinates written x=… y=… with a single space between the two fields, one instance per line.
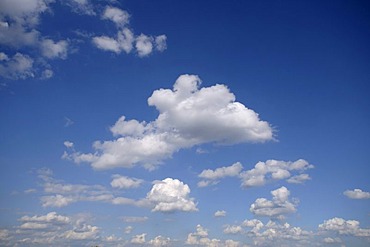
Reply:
x=188 y=116
x=357 y=194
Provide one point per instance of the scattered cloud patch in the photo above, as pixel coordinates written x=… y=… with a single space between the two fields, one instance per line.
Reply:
x=344 y=227
x=212 y=176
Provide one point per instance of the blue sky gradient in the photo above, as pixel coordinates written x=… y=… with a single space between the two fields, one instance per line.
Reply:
x=245 y=123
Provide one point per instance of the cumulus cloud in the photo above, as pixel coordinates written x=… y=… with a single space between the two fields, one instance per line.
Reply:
x=233 y=229
x=144 y=45
x=53 y=229
x=188 y=116
x=160 y=241
x=138 y=239
x=220 y=213
x=123 y=182
x=122 y=42
x=19 y=66
x=357 y=194
x=51 y=49
x=118 y=16
x=212 y=176
x=125 y=39
x=200 y=238
x=344 y=227
x=171 y=195
x=275 y=170
x=278 y=207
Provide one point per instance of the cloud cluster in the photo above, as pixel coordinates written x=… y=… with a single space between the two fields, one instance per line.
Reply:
x=200 y=238
x=20 y=25
x=357 y=194
x=53 y=229
x=188 y=116
x=171 y=195
x=277 y=208
x=344 y=227
x=276 y=170
x=168 y=195
x=263 y=172
x=125 y=40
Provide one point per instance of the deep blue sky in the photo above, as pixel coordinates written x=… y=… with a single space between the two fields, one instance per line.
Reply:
x=302 y=66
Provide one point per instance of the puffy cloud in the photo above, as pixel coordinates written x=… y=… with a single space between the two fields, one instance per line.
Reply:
x=171 y=195
x=330 y=240
x=144 y=45
x=123 y=42
x=138 y=239
x=160 y=42
x=344 y=227
x=220 y=213
x=188 y=116
x=33 y=225
x=255 y=224
x=68 y=144
x=209 y=175
x=233 y=229
x=277 y=170
x=357 y=194
x=277 y=207
x=128 y=229
x=20 y=66
x=200 y=238
x=160 y=241
x=47 y=74
x=118 y=16
x=51 y=49
x=123 y=182
x=85 y=232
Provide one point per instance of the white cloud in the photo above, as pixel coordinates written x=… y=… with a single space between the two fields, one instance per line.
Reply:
x=222 y=172
x=134 y=219
x=50 y=217
x=255 y=224
x=188 y=116
x=128 y=229
x=160 y=241
x=51 y=49
x=123 y=42
x=118 y=16
x=233 y=229
x=160 y=43
x=144 y=45
x=357 y=194
x=68 y=144
x=123 y=182
x=171 y=195
x=33 y=225
x=85 y=232
x=200 y=238
x=17 y=67
x=277 y=207
x=138 y=239
x=220 y=213
x=81 y=6
x=277 y=170
x=47 y=74
x=299 y=179
x=330 y=240
x=344 y=227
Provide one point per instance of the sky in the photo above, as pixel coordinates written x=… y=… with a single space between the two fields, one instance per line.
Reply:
x=184 y=123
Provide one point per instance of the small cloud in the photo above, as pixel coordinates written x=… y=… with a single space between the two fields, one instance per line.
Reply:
x=357 y=194
x=220 y=213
